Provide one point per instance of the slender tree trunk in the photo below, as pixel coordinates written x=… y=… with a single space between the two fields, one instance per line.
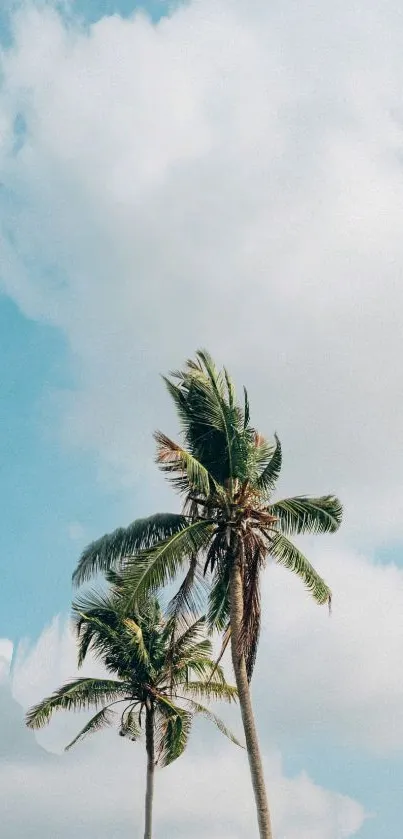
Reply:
x=252 y=744
x=150 y=772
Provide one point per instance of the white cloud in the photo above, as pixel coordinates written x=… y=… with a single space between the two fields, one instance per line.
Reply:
x=337 y=677
x=231 y=177
x=99 y=785
x=6 y=654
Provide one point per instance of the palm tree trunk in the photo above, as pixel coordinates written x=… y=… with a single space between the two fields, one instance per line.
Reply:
x=150 y=772
x=252 y=743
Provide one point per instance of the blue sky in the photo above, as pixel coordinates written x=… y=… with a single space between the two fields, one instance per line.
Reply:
x=231 y=177
x=47 y=493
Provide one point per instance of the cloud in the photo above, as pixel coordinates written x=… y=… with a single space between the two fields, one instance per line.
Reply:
x=6 y=654
x=229 y=177
x=338 y=678
x=97 y=788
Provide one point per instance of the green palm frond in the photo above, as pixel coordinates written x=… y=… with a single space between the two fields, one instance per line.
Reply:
x=173 y=459
x=210 y=419
x=304 y=514
x=192 y=635
x=105 y=643
x=191 y=596
x=269 y=476
x=108 y=552
x=212 y=690
x=197 y=708
x=102 y=719
x=175 y=724
x=78 y=695
x=219 y=606
x=129 y=724
x=92 y=612
x=288 y=555
x=153 y=568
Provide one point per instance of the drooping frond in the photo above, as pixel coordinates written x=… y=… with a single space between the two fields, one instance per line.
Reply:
x=79 y=695
x=103 y=639
x=108 y=552
x=303 y=514
x=219 y=605
x=287 y=554
x=269 y=476
x=191 y=596
x=102 y=719
x=129 y=726
x=97 y=605
x=173 y=729
x=197 y=708
x=153 y=568
x=250 y=630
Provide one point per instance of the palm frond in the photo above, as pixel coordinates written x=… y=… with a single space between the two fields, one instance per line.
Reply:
x=212 y=690
x=153 y=568
x=78 y=695
x=210 y=419
x=129 y=724
x=173 y=459
x=173 y=729
x=190 y=597
x=107 y=553
x=250 y=630
x=197 y=708
x=190 y=637
x=218 y=607
x=288 y=555
x=99 y=636
x=304 y=514
x=102 y=719
x=269 y=476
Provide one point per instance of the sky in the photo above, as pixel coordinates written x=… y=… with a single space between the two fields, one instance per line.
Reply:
x=223 y=175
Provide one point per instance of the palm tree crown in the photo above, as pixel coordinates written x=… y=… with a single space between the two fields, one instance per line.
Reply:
x=226 y=473
x=153 y=667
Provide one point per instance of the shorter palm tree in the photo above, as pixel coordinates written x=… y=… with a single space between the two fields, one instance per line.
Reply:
x=161 y=676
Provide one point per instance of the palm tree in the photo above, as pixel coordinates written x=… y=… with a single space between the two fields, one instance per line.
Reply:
x=160 y=678
x=229 y=526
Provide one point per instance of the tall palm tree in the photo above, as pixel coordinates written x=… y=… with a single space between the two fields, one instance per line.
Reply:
x=229 y=526
x=160 y=678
